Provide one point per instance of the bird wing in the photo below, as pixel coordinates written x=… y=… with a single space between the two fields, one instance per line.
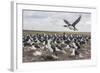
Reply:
x=67 y=22
x=76 y=21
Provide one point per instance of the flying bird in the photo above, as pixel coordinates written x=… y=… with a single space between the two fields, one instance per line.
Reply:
x=73 y=24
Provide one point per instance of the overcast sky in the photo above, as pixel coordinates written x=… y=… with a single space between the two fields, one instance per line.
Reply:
x=53 y=21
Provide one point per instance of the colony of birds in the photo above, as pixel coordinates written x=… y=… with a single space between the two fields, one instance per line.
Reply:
x=55 y=47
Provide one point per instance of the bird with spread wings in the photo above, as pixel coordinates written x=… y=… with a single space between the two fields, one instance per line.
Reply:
x=73 y=24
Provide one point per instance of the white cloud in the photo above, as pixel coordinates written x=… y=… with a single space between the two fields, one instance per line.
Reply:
x=53 y=21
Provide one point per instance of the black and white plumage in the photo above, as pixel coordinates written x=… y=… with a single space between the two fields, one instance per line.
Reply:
x=73 y=24
x=55 y=44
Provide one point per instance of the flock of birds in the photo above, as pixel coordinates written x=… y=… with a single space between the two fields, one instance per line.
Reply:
x=54 y=43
